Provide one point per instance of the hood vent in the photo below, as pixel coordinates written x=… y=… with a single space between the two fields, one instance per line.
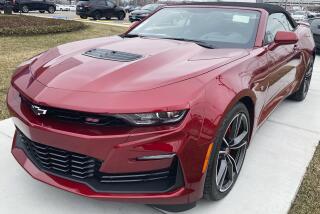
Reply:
x=112 y=55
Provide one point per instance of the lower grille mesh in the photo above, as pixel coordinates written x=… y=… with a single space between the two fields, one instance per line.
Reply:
x=76 y=165
x=85 y=169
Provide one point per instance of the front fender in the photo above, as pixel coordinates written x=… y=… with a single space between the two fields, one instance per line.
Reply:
x=220 y=98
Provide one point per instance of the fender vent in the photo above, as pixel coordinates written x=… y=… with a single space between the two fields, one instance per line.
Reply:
x=112 y=55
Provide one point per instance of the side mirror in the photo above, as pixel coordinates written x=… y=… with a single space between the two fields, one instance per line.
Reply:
x=284 y=38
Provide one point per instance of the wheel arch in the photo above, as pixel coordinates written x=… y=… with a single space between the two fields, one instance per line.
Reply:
x=249 y=103
x=248 y=98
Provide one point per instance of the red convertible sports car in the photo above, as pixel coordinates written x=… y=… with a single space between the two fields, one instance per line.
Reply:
x=164 y=113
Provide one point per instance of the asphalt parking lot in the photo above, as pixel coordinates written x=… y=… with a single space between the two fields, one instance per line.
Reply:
x=71 y=15
x=273 y=170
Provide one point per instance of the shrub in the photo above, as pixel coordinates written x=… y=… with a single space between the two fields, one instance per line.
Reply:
x=20 y=25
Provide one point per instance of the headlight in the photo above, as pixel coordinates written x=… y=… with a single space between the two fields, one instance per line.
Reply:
x=157 y=118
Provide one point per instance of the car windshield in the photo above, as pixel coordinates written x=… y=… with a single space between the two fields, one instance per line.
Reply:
x=150 y=7
x=216 y=27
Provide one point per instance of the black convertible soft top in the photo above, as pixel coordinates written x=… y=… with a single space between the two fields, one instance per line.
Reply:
x=270 y=8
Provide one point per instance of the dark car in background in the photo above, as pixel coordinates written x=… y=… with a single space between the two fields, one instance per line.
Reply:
x=32 y=5
x=98 y=9
x=145 y=11
x=315 y=29
x=1 y=4
x=129 y=8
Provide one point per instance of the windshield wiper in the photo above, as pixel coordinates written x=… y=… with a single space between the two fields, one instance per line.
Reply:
x=134 y=35
x=130 y=35
x=198 y=42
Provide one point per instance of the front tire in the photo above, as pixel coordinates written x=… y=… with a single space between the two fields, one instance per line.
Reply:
x=51 y=9
x=302 y=92
x=25 y=9
x=121 y=16
x=97 y=15
x=83 y=17
x=229 y=150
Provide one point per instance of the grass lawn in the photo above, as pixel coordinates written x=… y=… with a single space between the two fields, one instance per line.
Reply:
x=308 y=198
x=14 y=50
x=31 y=25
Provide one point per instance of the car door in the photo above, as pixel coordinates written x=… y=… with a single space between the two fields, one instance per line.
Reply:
x=43 y=5
x=109 y=9
x=282 y=59
x=36 y=5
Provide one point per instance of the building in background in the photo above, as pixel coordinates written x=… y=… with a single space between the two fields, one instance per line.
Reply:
x=297 y=4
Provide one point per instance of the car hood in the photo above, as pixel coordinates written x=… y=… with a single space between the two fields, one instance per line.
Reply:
x=136 y=12
x=163 y=62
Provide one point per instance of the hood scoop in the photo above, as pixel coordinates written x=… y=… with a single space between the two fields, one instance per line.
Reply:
x=112 y=55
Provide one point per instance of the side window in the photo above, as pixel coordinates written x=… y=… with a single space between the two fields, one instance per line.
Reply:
x=276 y=22
x=110 y=4
x=285 y=22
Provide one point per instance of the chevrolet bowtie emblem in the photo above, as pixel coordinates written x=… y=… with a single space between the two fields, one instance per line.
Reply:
x=38 y=111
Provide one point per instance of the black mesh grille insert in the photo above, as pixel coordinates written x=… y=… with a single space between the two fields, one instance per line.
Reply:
x=85 y=169
x=60 y=161
x=112 y=55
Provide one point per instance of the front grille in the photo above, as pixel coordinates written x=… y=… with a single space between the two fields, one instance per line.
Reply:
x=75 y=116
x=85 y=169
x=112 y=55
x=61 y=161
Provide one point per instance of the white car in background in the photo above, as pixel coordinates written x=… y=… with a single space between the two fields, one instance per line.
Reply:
x=72 y=7
x=299 y=15
x=62 y=7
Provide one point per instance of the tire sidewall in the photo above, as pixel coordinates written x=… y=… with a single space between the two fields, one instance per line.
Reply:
x=25 y=9
x=121 y=16
x=213 y=192
x=51 y=9
x=97 y=15
x=300 y=94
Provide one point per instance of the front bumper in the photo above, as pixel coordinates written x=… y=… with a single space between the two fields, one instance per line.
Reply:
x=81 y=13
x=174 y=197
x=117 y=149
x=83 y=169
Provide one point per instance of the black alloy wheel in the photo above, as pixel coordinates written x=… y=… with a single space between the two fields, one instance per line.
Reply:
x=97 y=15
x=228 y=154
x=232 y=152
x=121 y=16
x=302 y=92
x=307 y=81
x=25 y=9
x=51 y=9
